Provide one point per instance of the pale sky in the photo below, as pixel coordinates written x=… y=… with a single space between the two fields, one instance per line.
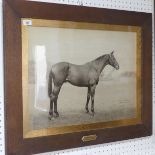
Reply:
x=80 y=46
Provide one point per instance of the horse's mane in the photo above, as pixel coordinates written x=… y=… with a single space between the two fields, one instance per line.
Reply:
x=100 y=58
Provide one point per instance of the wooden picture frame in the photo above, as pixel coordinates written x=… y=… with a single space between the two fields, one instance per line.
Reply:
x=16 y=141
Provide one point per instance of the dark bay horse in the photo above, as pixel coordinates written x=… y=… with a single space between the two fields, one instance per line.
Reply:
x=86 y=75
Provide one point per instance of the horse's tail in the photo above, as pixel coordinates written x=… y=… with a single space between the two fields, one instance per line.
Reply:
x=50 y=84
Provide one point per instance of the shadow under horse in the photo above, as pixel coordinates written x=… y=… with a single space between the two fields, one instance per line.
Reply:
x=86 y=75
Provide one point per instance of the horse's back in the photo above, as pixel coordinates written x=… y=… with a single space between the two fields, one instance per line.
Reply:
x=79 y=75
x=60 y=66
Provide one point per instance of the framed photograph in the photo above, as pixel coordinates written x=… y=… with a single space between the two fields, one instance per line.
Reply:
x=75 y=79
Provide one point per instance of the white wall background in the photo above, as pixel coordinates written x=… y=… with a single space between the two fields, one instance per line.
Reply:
x=1 y=86
x=141 y=146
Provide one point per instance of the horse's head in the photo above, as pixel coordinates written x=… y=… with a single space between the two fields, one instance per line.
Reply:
x=112 y=61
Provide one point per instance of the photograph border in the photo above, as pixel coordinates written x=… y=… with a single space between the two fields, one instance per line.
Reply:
x=13 y=12
x=28 y=133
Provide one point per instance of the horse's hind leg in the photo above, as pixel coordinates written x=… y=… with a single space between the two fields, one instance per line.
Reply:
x=88 y=98
x=53 y=101
x=56 y=93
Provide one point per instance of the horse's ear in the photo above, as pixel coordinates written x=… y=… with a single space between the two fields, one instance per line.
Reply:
x=112 y=53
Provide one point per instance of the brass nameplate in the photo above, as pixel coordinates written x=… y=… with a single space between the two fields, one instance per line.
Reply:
x=89 y=138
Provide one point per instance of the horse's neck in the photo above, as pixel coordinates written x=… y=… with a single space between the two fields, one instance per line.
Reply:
x=100 y=63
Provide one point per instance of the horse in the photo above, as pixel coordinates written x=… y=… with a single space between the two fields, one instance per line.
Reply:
x=86 y=75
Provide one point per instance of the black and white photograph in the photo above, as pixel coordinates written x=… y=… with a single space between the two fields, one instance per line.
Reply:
x=78 y=75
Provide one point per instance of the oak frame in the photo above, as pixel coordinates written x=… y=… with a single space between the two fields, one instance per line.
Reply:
x=14 y=11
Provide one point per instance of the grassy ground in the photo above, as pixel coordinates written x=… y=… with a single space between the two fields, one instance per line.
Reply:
x=114 y=100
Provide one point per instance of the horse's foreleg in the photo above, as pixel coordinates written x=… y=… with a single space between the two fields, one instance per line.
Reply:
x=55 y=108
x=88 y=98
x=92 y=98
x=51 y=108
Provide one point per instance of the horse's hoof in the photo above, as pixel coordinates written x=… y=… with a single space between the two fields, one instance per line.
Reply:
x=92 y=110
x=87 y=111
x=49 y=117
x=50 y=113
x=56 y=114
